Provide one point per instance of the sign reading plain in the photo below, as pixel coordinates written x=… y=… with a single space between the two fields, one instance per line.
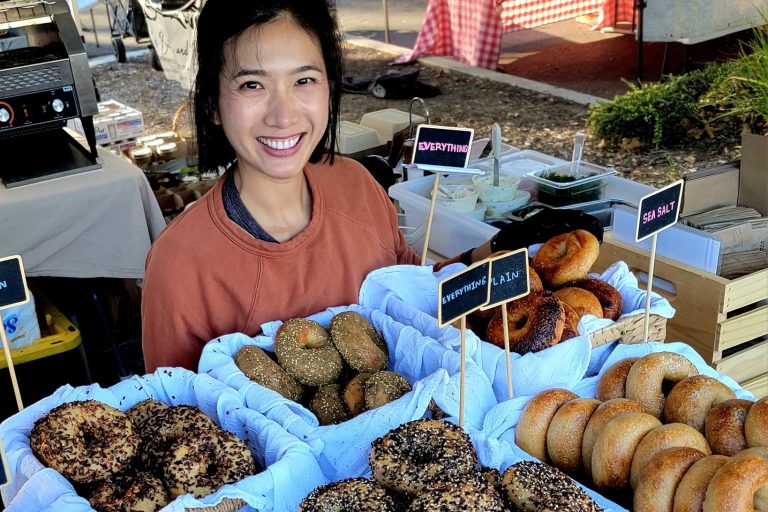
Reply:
x=509 y=277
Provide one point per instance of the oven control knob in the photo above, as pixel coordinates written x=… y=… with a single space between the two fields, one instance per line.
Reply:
x=57 y=105
x=5 y=116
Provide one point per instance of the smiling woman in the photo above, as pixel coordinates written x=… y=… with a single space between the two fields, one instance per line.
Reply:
x=289 y=229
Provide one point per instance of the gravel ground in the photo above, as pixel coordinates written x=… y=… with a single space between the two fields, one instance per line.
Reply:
x=529 y=120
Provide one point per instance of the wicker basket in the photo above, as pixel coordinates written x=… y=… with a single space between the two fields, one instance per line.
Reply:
x=631 y=330
x=225 y=505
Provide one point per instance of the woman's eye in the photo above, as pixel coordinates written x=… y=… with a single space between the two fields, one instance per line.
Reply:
x=250 y=85
x=305 y=81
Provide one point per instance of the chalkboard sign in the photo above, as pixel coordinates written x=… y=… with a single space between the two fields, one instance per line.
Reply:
x=659 y=210
x=437 y=147
x=463 y=293
x=13 y=287
x=509 y=277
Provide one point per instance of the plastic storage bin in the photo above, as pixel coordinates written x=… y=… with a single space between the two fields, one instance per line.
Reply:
x=388 y=122
x=588 y=184
x=452 y=232
x=354 y=138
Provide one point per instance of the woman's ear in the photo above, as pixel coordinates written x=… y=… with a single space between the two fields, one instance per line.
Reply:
x=215 y=118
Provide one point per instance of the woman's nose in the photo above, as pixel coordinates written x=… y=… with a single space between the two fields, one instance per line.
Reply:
x=282 y=110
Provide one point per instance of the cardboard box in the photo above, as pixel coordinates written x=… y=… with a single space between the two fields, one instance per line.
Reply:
x=753 y=179
x=114 y=122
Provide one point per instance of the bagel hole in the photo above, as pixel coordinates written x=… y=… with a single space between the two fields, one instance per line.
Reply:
x=519 y=322
x=666 y=386
x=211 y=470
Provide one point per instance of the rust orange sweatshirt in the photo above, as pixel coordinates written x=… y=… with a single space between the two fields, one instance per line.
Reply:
x=205 y=276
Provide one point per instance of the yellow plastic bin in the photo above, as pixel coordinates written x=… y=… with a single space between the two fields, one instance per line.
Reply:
x=62 y=337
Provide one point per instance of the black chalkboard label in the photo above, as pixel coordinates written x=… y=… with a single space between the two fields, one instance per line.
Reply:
x=463 y=293
x=4 y=475
x=659 y=210
x=509 y=277
x=13 y=287
x=442 y=146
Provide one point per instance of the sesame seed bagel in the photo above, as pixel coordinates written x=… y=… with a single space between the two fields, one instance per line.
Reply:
x=349 y=495
x=420 y=454
x=200 y=464
x=384 y=387
x=358 y=342
x=134 y=492
x=84 y=440
x=142 y=411
x=304 y=349
x=457 y=497
x=539 y=487
x=260 y=368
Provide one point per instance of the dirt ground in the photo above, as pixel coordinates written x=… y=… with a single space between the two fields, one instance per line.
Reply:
x=529 y=120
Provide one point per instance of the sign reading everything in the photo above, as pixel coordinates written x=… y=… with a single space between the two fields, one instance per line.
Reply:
x=441 y=146
x=13 y=287
x=463 y=293
x=659 y=210
x=509 y=277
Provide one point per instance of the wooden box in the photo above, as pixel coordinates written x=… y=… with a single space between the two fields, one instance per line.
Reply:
x=724 y=320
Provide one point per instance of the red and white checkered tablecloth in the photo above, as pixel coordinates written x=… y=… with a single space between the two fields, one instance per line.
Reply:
x=470 y=30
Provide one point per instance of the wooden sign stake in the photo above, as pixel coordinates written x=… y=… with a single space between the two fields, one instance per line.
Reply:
x=507 y=352
x=646 y=321
x=457 y=296
x=11 y=370
x=658 y=211
x=430 y=216
x=509 y=281
x=462 y=373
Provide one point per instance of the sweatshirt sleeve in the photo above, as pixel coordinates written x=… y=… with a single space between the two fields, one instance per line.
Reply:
x=167 y=327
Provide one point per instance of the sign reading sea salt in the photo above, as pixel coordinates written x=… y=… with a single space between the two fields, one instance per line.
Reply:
x=13 y=292
x=659 y=210
x=463 y=293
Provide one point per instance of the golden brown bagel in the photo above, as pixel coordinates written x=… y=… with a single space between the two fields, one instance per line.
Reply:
x=604 y=413
x=609 y=297
x=571 y=327
x=691 y=399
x=756 y=424
x=613 y=383
x=535 y=322
x=656 y=485
x=671 y=435
x=724 y=426
x=734 y=485
x=582 y=301
x=565 y=433
x=689 y=496
x=531 y=430
x=566 y=257
x=645 y=378
x=761 y=496
x=615 y=447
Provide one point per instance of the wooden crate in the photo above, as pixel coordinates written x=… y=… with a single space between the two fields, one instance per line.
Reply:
x=724 y=320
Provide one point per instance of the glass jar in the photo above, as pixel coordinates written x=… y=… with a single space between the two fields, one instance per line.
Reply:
x=141 y=157
x=167 y=151
x=153 y=145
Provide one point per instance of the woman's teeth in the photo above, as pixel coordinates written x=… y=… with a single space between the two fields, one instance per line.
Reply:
x=280 y=143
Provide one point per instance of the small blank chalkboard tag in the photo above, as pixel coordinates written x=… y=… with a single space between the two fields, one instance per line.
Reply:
x=13 y=286
x=4 y=473
x=509 y=277
x=463 y=293
x=659 y=210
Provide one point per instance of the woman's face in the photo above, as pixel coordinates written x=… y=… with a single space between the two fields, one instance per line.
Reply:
x=273 y=100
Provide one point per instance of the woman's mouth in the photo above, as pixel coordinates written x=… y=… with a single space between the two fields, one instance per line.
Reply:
x=280 y=144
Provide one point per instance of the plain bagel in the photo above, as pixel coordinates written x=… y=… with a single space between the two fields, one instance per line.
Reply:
x=648 y=374
x=531 y=430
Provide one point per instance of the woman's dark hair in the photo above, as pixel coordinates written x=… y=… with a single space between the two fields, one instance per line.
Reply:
x=220 y=23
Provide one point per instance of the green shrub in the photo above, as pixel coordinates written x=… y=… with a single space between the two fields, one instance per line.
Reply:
x=656 y=113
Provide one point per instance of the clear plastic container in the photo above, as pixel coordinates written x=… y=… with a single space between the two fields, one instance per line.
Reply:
x=558 y=187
